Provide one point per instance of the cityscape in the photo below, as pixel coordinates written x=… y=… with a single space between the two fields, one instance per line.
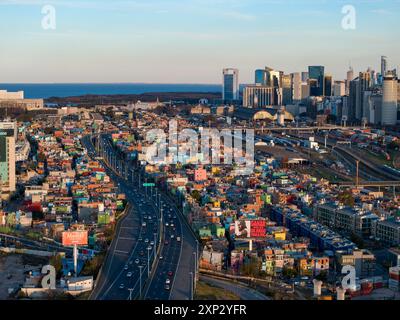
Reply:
x=273 y=184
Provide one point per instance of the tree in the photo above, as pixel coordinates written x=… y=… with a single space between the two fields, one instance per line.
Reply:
x=289 y=272
x=196 y=195
x=346 y=197
x=56 y=262
x=323 y=276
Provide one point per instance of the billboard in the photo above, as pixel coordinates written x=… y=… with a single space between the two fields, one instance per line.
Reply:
x=70 y=238
x=258 y=228
x=242 y=228
x=250 y=228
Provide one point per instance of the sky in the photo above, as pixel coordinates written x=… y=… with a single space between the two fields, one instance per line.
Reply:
x=190 y=41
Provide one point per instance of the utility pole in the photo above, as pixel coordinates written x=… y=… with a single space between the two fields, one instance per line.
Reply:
x=357 y=172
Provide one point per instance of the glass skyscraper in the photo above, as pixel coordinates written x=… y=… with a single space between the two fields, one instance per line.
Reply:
x=261 y=77
x=316 y=73
x=230 y=85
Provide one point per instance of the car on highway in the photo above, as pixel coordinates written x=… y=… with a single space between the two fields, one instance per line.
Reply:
x=161 y=257
x=126 y=267
x=141 y=253
x=167 y=287
x=172 y=236
x=144 y=224
x=140 y=239
x=137 y=261
x=168 y=281
x=152 y=243
x=146 y=240
x=167 y=224
x=166 y=242
x=178 y=239
x=122 y=286
x=129 y=274
x=170 y=273
x=171 y=225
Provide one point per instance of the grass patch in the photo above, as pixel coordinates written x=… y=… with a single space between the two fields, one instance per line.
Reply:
x=205 y=291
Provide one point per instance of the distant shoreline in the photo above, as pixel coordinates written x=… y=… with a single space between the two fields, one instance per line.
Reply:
x=64 y=90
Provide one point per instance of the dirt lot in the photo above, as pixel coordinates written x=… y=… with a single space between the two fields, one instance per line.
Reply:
x=12 y=268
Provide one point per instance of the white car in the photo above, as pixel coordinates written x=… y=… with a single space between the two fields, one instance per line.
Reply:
x=167 y=281
x=129 y=274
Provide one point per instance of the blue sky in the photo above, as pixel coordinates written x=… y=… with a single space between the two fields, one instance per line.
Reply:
x=190 y=41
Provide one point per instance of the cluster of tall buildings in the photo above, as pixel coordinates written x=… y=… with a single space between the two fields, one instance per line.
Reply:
x=371 y=97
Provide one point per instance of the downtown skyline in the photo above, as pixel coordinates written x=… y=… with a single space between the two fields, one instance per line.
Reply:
x=190 y=41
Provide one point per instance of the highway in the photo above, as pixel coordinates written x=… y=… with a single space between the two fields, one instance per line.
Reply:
x=120 y=276
x=132 y=249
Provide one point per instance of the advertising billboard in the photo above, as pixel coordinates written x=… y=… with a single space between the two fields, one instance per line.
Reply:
x=250 y=228
x=258 y=228
x=242 y=228
x=70 y=238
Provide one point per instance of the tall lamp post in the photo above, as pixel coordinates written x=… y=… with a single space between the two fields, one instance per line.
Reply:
x=140 y=281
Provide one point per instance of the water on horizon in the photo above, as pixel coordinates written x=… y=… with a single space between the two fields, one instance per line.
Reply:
x=47 y=90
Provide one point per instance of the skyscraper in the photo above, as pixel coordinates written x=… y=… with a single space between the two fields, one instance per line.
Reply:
x=316 y=87
x=383 y=66
x=328 y=86
x=230 y=85
x=389 y=100
x=261 y=77
x=296 y=86
x=304 y=76
x=287 y=94
x=339 y=89
x=350 y=77
x=8 y=134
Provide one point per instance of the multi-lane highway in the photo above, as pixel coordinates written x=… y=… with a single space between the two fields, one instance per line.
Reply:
x=131 y=253
x=143 y=259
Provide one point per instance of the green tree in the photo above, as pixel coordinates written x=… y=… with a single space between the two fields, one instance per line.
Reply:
x=289 y=272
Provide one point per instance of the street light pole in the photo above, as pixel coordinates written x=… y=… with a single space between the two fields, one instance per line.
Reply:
x=155 y=245
x=130 y=293
x=140 y=281
x=148 y=262
x=191 y=285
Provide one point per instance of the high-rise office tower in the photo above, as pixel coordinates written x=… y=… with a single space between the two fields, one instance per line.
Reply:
x=383 y=66
x=316 y=87
x=389 y=100
x=350 y=77
x=296 y=86
x=304 y=76
x=287 y=95
x=328 y=86
x=230 y=85
x=8 y=136
x=261 y=77
x=305 y=90
x=339 y=88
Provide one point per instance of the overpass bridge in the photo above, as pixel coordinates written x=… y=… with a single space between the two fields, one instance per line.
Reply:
x=305 y=129
x=369 y=184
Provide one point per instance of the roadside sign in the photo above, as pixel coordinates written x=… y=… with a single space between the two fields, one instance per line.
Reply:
x=149 y=184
